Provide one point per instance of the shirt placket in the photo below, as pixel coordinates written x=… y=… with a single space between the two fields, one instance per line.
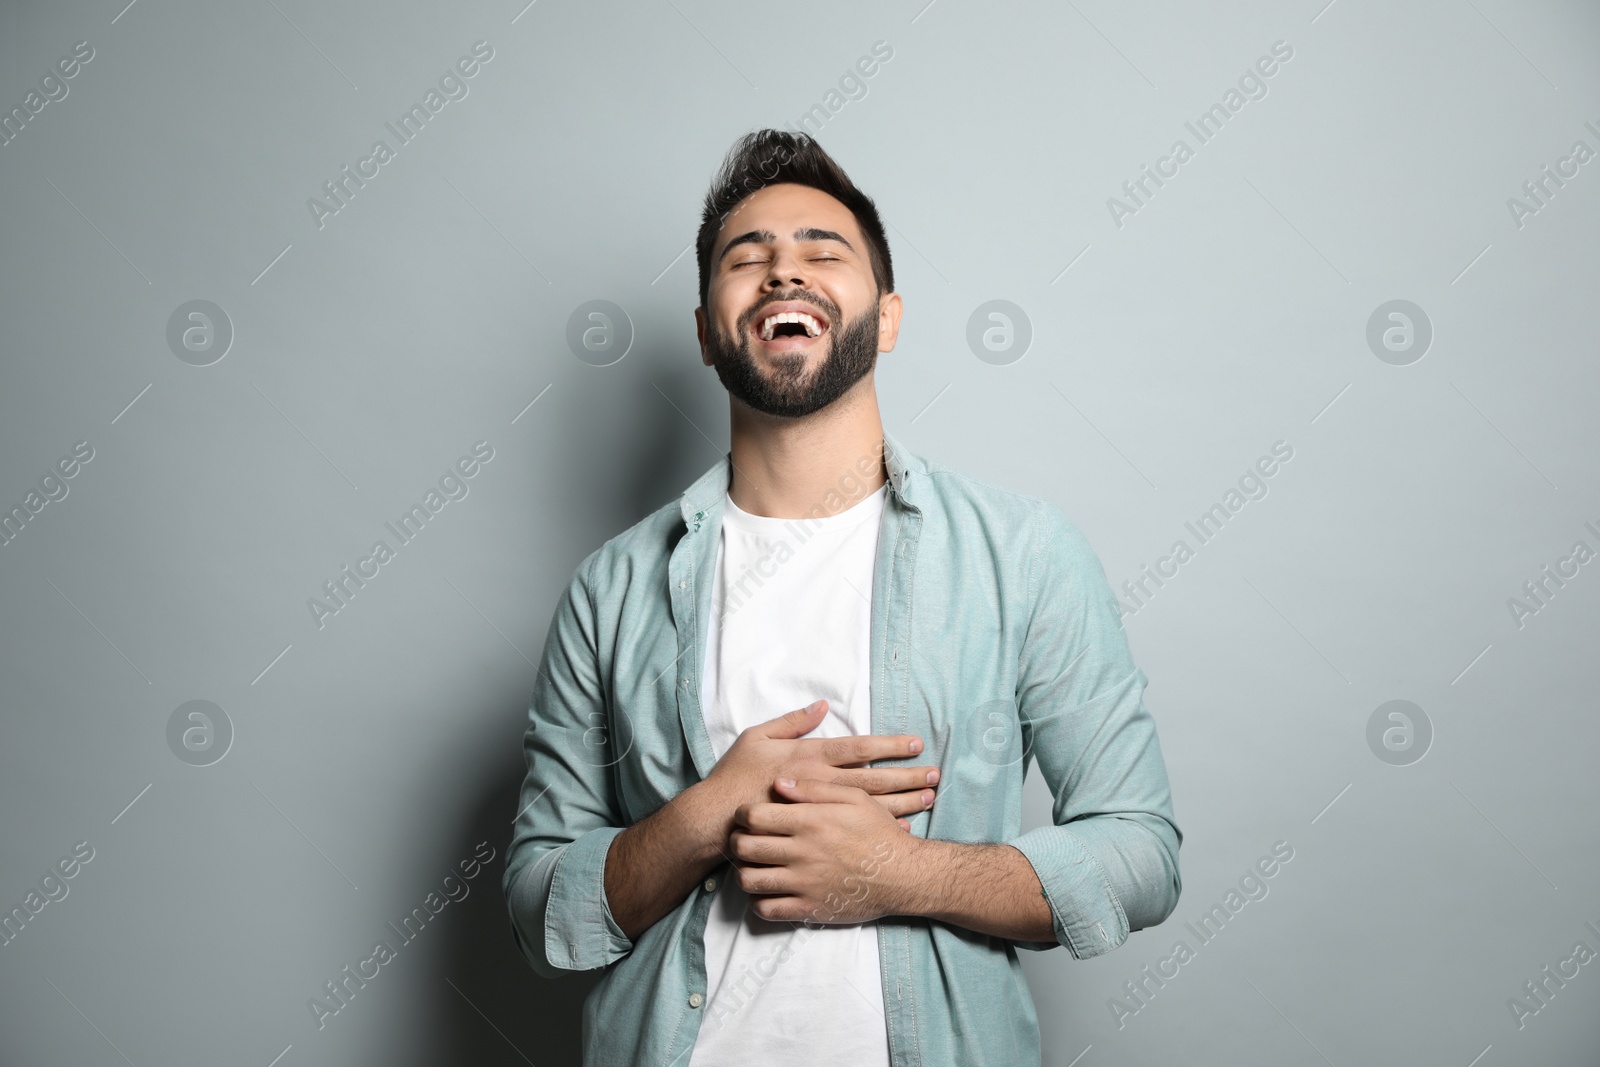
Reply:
x=890 y=652
x=689 y=582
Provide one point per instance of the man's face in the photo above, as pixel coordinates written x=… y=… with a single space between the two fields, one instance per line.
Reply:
x=794 y=252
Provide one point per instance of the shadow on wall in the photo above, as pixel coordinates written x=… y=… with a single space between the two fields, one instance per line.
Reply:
x=666 y=448
x=515 y=1016
x=501 y=1012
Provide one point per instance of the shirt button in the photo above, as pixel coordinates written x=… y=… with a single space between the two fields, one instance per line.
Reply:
x=683 y=585
x=695 y=1000
x=711 y=885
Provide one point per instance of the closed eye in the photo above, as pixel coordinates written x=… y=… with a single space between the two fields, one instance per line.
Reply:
x=814 y=259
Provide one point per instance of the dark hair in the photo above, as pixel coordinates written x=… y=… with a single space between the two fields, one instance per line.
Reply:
x=770 y=157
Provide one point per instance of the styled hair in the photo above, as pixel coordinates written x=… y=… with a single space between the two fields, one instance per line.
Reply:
x=771 y=157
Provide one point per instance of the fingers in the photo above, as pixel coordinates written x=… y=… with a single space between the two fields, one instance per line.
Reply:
x=765 y=880
x=759 y=848
x=816 y=791
x=863 y=748
x=907 y=803
x=766 y=818
x=879 y=780
x=780 y=908
x=795 y=723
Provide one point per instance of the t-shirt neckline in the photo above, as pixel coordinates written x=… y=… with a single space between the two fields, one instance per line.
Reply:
x=866 y=508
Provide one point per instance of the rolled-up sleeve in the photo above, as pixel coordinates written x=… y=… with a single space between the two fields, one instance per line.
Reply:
x=554 y=880
x=1109 y=862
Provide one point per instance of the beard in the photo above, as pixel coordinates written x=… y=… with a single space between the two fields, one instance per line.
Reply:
x=790 y=392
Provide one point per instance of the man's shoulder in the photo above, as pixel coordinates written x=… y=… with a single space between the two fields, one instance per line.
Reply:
x=953 y=488
x=959 y=493
x=643 y=547
x=1049 y=546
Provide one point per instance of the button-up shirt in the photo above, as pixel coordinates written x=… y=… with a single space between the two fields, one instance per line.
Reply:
x=995 y=638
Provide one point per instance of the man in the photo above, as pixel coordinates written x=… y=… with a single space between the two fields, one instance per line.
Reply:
x=749 y=699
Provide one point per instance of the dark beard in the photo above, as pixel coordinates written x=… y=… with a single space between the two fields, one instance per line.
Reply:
x=852 y=353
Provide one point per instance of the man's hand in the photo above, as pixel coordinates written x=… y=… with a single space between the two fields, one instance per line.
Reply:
x=653 y=864
x=778 y=748
x=831 y=856
x=828 y=854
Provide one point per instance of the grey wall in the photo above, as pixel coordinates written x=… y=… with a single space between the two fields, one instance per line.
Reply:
x=348 y=362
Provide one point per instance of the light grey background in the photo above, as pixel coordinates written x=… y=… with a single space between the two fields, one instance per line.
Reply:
x=1228 y=313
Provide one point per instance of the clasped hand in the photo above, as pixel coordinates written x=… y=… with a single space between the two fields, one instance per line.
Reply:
x=817 y=835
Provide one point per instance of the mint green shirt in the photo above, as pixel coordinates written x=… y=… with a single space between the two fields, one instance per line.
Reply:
x=994 y=637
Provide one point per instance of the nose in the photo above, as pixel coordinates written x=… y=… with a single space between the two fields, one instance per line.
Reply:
x=786 y=270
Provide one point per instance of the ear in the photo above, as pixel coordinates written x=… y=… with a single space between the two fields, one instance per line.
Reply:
x=700 y=334
x=888 y=321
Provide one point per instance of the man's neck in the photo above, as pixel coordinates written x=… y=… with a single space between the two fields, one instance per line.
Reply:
x=792 y=468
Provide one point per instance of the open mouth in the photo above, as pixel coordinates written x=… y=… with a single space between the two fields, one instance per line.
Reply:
x=790 y=328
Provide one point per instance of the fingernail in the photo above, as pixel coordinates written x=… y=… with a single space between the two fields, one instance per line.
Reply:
x=933 y=777
x=916 y=745
x=786 y=782
x=927 y=799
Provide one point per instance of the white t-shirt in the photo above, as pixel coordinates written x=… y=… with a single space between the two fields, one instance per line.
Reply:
x=791 y=610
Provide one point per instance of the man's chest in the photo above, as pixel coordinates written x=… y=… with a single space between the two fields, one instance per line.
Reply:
x=783 y=634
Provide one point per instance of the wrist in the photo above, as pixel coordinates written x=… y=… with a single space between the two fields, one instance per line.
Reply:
x=708 y=822
x=913 y=875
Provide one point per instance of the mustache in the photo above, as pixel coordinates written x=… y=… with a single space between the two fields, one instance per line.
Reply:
x=799 y=297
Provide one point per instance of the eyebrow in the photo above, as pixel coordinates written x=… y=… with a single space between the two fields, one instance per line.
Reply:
x=806 y=233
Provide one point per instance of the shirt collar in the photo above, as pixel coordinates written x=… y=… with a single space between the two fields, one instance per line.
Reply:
x=702 y=501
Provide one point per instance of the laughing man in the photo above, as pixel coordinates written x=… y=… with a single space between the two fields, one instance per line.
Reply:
x=749 y=700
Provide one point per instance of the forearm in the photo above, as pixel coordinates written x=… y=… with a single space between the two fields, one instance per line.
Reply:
x=992 y=889
x=656 y=862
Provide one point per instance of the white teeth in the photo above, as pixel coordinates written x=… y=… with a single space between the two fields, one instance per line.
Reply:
x=813 y=327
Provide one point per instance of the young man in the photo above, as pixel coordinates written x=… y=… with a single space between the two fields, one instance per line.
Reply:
x=749 y=699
